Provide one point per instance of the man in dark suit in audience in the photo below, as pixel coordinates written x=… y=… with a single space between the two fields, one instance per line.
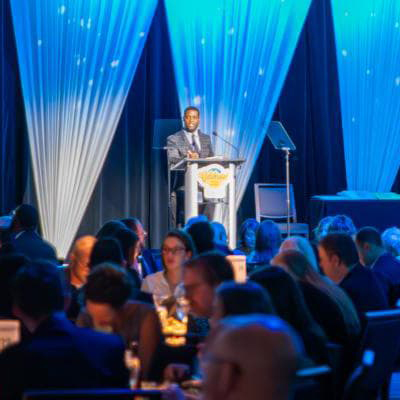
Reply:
x=58 y=355
x=25 y=237
x=373 y=255
x=339 y=260
x=189 y=142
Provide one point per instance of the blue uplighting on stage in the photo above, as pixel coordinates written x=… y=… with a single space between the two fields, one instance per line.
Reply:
x=231 y=59
x=368 y=51
x=77 y=59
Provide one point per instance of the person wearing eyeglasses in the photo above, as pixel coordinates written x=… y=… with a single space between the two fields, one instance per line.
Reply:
x=176 y=249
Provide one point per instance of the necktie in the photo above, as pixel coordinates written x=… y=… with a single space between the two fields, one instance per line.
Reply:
x=194 y=144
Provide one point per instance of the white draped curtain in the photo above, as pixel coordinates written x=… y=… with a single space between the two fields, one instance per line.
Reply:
x=77 y=59
x=368 y=53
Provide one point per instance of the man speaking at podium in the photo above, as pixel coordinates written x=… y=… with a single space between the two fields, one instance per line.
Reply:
x=191 y=143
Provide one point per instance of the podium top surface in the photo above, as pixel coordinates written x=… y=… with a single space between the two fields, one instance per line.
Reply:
x=181 y=165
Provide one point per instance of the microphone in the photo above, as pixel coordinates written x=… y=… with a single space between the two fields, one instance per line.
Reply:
x=224 y=140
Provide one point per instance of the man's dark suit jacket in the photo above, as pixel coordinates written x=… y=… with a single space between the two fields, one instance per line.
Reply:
x=178 y=146
x=387 y=269
x=365 y=290
x=31 y=245
x=61 y=356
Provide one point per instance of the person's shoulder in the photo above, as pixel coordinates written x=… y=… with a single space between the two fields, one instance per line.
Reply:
x=204 y=135
x=175 y=135
x=95 y=338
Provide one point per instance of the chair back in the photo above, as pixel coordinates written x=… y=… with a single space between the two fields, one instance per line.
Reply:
x=382 y=339
x=271 y=201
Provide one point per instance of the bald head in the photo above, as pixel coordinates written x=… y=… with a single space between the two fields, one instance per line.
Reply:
x=80 y=256
x=251 y=357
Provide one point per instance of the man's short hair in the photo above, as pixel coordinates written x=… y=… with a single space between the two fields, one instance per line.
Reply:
x=191 y=108
x=109 y=229
x=202 y=234
x=369 y=235
x=82 y=244
x=341 y=245
x=108 y=283
x=106 y=249
x=341 y=224
x=213 y=266
x=38 y=289
x=244 y=298
x=268 y=237
x=27 y=216
x=131 y=223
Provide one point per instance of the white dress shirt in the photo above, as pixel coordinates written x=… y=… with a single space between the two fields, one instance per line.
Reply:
x=196 y=138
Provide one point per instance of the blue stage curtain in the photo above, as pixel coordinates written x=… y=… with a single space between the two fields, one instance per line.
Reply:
x=13 y=140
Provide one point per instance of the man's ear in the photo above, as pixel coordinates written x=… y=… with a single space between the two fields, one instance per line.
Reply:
x=228 y=378
x=335 y=260
x=16 y=311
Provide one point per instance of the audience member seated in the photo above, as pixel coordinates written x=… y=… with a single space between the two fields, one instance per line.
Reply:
x=391 y=241
x=130 y=247
x=58 y=355
x=146 y=262
x=373 y=255
x=193 y=220
x=201 y=275
x=177 y=248
x=10 y=264
x=339 y=261
x=109 y=309
x=341 y=224
x=302 y=245
x=233 y=298
x=106 y=250
x=77 y=271
x=251 y=357
x=268 y=240
x=220 y=238
x=202 y=235
x=247 y=236
x=329 y=305
x=290 y=305
x=25 y=237
x=109 y=229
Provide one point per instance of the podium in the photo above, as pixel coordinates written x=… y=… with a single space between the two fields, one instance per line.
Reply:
x=210 y=181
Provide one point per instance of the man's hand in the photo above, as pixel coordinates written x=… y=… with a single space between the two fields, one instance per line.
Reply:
x=193 y=155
